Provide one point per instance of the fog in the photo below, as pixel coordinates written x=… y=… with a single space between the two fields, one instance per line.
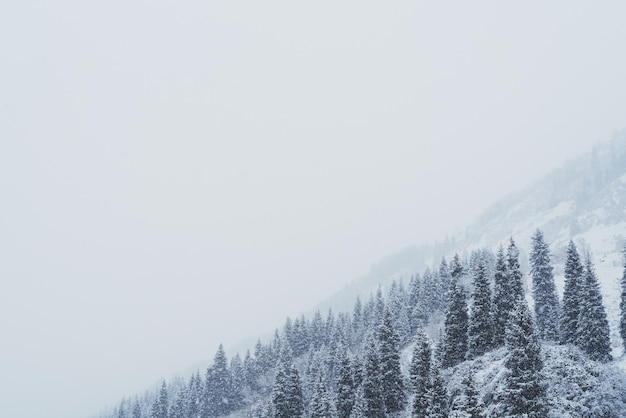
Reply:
x=179 y=174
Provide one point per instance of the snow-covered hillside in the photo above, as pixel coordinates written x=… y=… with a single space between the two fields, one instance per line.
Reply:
x=584 y=200
x=317 y=365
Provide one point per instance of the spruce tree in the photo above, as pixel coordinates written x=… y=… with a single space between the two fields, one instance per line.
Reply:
x=179 y=406
x=593 y=327
x=160 y=406
x=345 y=386
x=137 y=410
x=442 y=285
x=480 y=326
x=622 y=305
x=454 y=344
x=437 y=395
x=470 y=402
x=372 y=382
x=503 y=299
x=420 y=370
x=391 y=378
x=321 y=404
x=195 y=394
x=572 y=296
x=456 y=267
x=287 y=399
x=516 y=286
x=544 y=291
x=417 y=315
x=121 y=411
x=524 y=385
x=221 y=395
x=360 y=405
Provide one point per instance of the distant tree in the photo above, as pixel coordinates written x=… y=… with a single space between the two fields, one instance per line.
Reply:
x=161 y=405
x=321 y=403
x=524 y=394
x=379 y=308
x=358 y=323
x=345 y=386
x=301 y=342
x=287 y=399
x=442 y=285
x=137 y=410
x=121 y=411
x=544 y=290
x=593 y=327
x=454 y=344
x=360 y=404
x=480 y=326
x=437 y=395
x=221 y=397
x=391 y=378
x=456 y=267
x=399 y=308
x=572 y=296
x=238 y=373
x=623 y=304
x=471 y=406
x=503 y=300
x=372 y=385
x=317 y=330
x=195 y=394
x=420 y=371
x=179 y=406
x=416 y=309
x=515 y=271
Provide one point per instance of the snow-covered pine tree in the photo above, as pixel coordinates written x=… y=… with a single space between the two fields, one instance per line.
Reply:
x=417 y=313
x=238 y=380
x=454 y=344
x=358 y=323
x=160 y=406
x=195 y=394
x=321 y=403
x=480 y=326
x=316 y=330
x=622 y=304
x=221 y=396
x=571 y=296
x=137 y=410
x=372 y=382
x=420 y=370
x=121 y=411
x=516 y=286
x=179 y=406
x=437 y=395
x=503 y=300
x=593 y=327
x=287 y=399
x=456 y=267
x=544 y=291
x=301 y=341
x=442 y=285
x=428 y=296
x=394 y=397
x=360 y=405
x=471 y=396
x=398 y=306
x=345 y=386
x=524 y=394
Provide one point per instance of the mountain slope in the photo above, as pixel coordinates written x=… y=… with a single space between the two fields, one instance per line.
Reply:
x=585 y=201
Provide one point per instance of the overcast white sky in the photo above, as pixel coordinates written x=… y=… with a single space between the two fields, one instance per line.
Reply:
x=177 y=174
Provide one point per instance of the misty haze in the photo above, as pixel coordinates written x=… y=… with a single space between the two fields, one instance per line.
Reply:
x=327 y=209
